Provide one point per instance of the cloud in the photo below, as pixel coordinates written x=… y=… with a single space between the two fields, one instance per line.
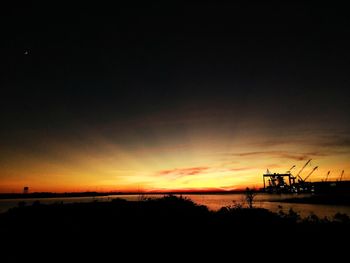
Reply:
x=239 y=169
x=336 y=141
x=321 y=139
x=182 y=171
x=280 y=154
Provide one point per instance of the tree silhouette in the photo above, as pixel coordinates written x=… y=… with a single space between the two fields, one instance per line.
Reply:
x=249 y=196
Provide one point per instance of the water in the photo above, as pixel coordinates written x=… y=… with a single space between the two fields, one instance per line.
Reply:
x=213 y=202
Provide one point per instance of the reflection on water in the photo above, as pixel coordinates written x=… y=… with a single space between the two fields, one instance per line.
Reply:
x=213 y=202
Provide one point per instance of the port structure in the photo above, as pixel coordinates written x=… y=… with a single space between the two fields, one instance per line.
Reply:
x=287 y=182
x=276 y=182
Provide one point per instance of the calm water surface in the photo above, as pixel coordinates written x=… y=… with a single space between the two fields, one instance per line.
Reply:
x=213 y=202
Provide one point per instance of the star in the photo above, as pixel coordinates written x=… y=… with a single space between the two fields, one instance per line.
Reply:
x=26 y=52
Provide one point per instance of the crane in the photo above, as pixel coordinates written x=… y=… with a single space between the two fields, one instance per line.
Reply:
x=327 y=176
x=315 y=168
x=298 y=175
x=341 y=175
x=288 y=172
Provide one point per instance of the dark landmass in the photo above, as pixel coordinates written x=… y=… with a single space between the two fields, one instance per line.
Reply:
x=328 y=199
x=165 y=228
x=51 y=195
x=93 y=194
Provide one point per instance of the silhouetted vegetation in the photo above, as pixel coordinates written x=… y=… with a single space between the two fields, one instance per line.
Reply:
x=249 y=196
x=291 y=216
x=171 y=223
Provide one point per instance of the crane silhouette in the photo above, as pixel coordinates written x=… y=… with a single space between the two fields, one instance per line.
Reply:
x=302 y=169
x=315 y=168
x=327 y=176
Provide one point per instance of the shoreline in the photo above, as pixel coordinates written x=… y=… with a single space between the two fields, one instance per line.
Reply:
x=318 y=199
x=312 y=199
x=95 y=194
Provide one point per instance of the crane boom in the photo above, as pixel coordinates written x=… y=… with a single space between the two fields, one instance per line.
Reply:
x=298 y=175
x=341 y=176
x=327 y=175
x=288 y=172
x=315 y=168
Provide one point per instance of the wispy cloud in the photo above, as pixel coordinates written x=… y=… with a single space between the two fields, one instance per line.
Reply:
x=183 y=171
x=239 y=169
x=320 y=139
x=280 y=154
x=201 y=171
x=336 y=141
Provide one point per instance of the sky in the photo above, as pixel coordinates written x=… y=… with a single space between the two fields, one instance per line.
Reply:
x=175 y=96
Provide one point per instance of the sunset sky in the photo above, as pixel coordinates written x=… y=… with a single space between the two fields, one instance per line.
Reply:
x=183 y=96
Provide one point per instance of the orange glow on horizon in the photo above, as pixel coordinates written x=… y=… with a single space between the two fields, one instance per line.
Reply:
x=198 y=161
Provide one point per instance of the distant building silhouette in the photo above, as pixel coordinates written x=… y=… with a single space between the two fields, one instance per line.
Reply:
x=25 y=190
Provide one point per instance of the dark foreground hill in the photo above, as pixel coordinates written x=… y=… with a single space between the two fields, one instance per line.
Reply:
x=168 y=228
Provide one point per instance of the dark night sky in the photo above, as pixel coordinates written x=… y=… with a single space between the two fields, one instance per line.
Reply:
x=282 y=69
